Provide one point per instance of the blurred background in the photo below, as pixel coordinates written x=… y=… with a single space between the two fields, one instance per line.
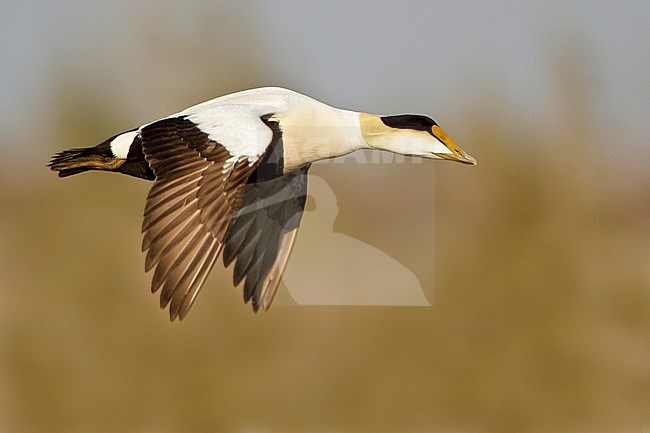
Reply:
x=539 y=257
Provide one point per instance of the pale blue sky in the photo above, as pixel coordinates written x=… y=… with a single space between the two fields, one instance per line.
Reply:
x=381 y=56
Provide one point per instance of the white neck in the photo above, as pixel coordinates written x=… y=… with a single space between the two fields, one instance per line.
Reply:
x=317 y=132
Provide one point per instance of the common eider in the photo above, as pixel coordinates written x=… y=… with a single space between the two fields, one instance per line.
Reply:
x=230 y=176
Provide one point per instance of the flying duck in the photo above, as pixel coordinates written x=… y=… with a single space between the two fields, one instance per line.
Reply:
x=230 y=176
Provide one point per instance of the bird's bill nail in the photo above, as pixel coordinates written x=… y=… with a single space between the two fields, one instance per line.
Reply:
x=465 y=158
x=457 y=154
x=462 y=157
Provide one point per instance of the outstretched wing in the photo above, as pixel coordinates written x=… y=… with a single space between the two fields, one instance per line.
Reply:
x=205 y=198
x=198 y=189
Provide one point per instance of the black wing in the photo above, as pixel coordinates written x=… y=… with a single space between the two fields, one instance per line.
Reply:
x=263 y=234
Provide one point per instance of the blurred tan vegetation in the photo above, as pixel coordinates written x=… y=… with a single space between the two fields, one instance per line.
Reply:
x=540 y=321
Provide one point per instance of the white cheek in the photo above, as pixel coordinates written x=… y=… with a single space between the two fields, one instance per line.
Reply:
x=421 y=144
x=439 y=147
x=122 y=143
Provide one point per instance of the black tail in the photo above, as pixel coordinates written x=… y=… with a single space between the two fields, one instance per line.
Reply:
x=101 y=157
x=74 y=161
x=66 y=163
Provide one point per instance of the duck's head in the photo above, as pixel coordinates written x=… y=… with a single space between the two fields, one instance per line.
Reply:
x=412 y=135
